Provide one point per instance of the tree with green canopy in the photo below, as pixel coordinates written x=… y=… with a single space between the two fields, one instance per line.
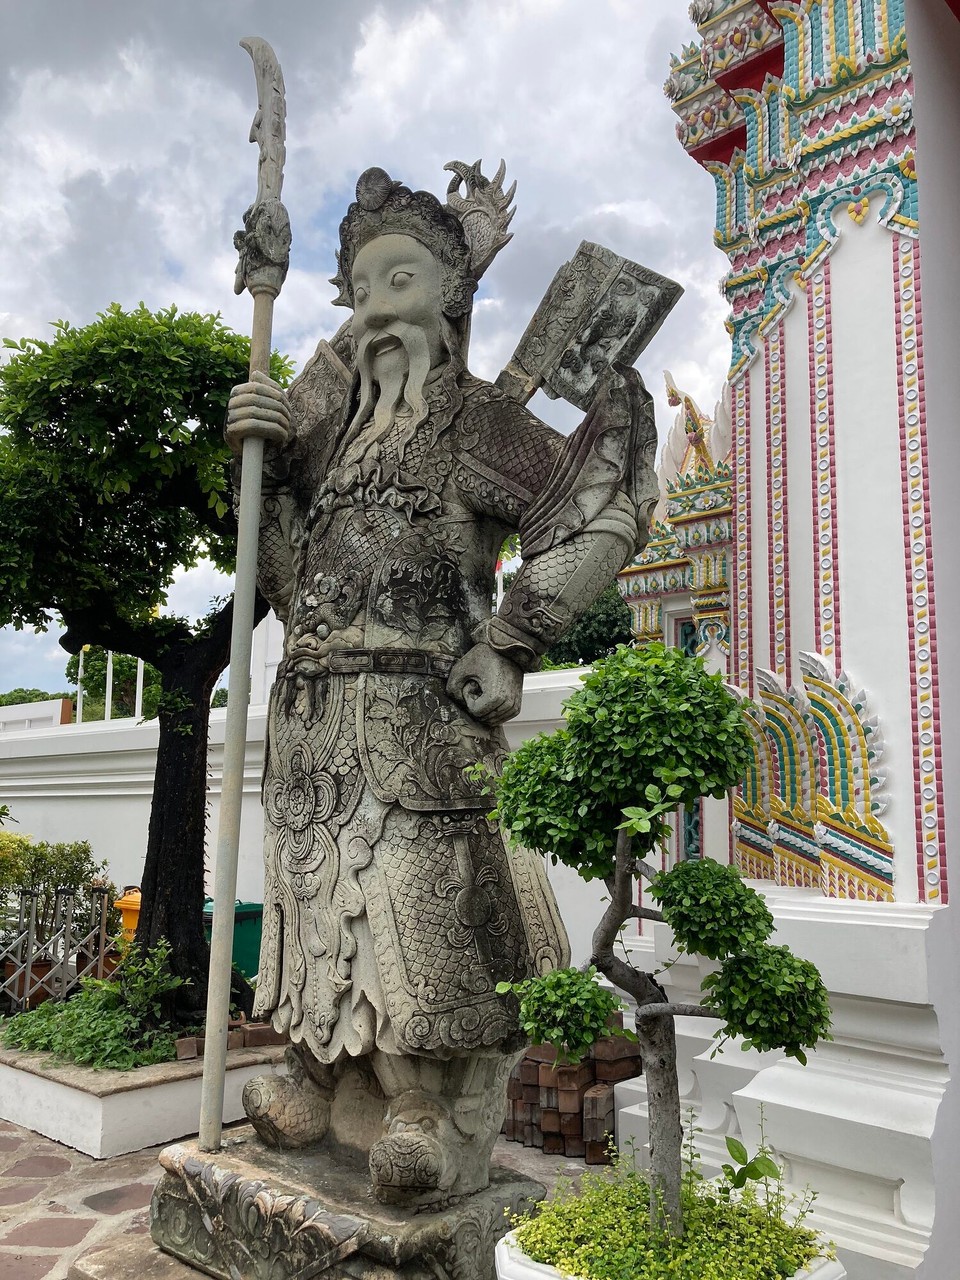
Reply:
x=114 y=474
x=123 y=684
x=604 y=625
x=18 y=697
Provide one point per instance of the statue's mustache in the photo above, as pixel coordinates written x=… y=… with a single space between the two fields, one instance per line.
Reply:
x=406 y=334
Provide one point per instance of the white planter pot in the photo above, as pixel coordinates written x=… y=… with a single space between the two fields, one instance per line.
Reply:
x=513 y=1264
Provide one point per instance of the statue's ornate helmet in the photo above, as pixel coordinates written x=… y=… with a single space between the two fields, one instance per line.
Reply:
x=464 y=235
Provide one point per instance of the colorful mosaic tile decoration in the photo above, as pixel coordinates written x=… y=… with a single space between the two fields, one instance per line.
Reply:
x=918 y=564
x=802 y=111
x=808 y=814
x=691 y=534
x=794 y=107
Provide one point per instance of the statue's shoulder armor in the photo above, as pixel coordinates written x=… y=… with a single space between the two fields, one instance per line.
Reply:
x=503 y=438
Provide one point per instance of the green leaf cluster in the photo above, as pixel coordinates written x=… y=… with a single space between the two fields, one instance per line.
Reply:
x=44 y=868
x=110 y=1023
x=710 y=909
x=766 y=994
x=649 y=729
x=745 y=1168
x=772 y=998
x=566 y=1008
x=603 y=1231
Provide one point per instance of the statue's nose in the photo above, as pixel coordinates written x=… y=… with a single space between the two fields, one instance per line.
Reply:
x=378 y=313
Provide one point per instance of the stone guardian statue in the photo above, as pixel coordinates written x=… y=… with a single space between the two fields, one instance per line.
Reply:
x=392 y=907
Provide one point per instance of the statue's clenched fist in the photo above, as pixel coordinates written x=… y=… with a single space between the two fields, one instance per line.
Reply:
x=488 y=684
x=258 y=408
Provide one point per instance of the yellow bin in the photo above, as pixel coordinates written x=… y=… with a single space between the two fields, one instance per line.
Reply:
x=129 y=906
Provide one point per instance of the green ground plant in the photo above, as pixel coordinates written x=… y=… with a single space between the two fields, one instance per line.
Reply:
x=742 y=1226
x=111 y=1023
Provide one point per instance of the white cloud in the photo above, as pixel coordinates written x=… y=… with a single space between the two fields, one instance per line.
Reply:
x=127 y=168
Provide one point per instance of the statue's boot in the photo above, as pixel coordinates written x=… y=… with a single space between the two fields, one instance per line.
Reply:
x=439 y=1131
x=293 y=1110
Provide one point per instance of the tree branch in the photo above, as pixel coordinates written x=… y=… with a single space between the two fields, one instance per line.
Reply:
x=645 y=869
x=621 y=908
x=645 y=913
x=675 y=1011
x=99 y=624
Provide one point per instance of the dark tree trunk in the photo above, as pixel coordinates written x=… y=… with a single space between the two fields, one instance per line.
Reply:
x=658 y=1049
x=172 y=883
x=656 y=1034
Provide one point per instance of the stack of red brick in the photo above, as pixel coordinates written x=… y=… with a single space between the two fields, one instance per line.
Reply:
x=240 y=1035
x=568 y=1110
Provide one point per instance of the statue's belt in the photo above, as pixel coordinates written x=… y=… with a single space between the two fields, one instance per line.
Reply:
x=401 y=662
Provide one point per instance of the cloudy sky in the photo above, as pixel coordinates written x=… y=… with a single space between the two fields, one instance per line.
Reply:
x=126 y=168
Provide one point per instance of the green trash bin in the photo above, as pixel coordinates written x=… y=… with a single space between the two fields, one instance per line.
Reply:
x=247 y=928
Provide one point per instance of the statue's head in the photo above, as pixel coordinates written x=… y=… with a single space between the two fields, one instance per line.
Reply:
x=409 y=266
x=387 y=208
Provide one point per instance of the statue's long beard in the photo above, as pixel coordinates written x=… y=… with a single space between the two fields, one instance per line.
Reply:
x=404 y=385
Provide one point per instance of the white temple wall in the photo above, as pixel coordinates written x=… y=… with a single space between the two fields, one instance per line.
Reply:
x=796 y=366
x=933 y=33
x=95 y=782
x=873 y=637
x=758 y=432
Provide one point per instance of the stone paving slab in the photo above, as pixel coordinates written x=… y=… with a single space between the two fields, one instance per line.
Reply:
x=58 y=1206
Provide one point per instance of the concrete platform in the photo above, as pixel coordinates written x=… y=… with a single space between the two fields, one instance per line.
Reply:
x=254 y=1212
x=132 y=1255
x=130 y=1258
x=107 y=1113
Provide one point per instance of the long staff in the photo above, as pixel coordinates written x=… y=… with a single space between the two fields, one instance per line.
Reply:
x=264 y=246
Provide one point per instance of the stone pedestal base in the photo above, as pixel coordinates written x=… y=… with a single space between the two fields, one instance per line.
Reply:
x=251 y=1213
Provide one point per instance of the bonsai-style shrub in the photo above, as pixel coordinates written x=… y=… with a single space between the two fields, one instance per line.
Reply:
x=651 y=729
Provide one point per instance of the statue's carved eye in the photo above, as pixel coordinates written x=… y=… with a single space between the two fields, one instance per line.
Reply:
x=401 y=278
x=360 y=294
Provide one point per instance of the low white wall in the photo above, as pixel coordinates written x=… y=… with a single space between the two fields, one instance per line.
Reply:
x=108 y=1113
x=95 y=782
x=35 y=715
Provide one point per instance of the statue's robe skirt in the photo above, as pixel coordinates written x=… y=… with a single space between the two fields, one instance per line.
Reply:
x=392 y=905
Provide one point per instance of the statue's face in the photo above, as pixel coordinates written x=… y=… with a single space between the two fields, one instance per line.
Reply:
x=396 y=283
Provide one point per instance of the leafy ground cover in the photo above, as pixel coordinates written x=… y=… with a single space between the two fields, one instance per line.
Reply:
x=111 y=1023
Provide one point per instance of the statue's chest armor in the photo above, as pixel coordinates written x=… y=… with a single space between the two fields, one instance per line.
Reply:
x=384 y=545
